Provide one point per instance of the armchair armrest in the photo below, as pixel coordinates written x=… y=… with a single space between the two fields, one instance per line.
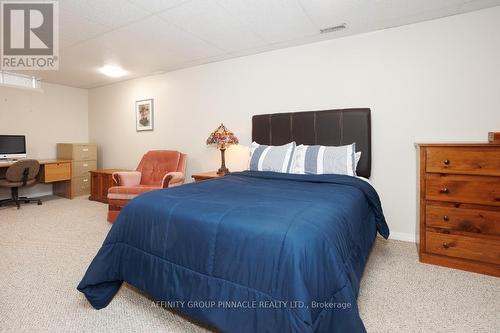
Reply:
x=127 y=178
x=172 y=179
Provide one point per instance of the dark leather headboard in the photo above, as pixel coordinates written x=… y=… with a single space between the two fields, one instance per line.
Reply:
x=327 y=128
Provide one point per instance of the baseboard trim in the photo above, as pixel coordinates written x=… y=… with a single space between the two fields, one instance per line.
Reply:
x=402 y=236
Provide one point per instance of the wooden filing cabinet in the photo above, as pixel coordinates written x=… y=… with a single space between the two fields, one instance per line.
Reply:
x=84 y=159
x=459 y=213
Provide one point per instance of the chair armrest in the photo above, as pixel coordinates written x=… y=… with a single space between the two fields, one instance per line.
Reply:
x=172 y=179
x=127 y=178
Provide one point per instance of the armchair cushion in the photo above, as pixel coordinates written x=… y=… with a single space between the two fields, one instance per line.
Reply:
x=129 y=192
x=172 y=179
x=127 y=178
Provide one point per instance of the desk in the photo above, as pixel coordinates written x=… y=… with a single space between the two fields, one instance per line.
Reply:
x=56 y=172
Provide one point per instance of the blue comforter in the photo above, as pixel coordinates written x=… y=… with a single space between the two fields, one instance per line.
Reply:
x=250 y=252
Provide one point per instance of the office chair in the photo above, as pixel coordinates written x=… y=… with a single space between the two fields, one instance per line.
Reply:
x=23 y=173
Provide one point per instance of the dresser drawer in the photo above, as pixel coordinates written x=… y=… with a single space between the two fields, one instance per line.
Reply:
x=469 y=160
x=481 y=190
x=80 y=186
x=463 y=219
x=465 y=247
x=82 y=168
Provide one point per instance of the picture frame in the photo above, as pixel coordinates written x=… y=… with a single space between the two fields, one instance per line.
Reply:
x=144 y=111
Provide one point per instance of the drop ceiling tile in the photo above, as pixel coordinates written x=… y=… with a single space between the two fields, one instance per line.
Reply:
x=328 y=13
x=274 y=20
x=155 y=6
x=111 y=13
x=469 y=6
x=74 y=29
x=211 y=22
x=415 y=17
x=367 y=15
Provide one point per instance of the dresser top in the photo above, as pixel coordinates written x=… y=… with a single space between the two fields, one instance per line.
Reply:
x=456 y=144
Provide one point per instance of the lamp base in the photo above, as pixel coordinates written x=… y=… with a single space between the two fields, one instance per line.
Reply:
x=222 y=171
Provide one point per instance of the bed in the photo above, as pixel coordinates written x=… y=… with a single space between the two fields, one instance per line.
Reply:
x=253 y=251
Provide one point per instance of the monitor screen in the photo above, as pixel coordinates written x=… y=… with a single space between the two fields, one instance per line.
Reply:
x=12 y=144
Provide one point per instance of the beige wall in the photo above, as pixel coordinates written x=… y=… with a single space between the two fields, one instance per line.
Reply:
x=432 y=81
x=56 y=114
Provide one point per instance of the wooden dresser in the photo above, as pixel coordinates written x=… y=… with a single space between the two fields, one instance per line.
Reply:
x=84 y=159
x=459 y=215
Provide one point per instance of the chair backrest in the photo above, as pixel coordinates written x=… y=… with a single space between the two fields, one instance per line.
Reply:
x=156 y=163
x=23 y=171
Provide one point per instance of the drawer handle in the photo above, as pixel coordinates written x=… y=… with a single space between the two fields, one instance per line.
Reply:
x=444 y=190
x=446 y=245
x=85 y=165
x=446 y=162
x=446 y=218
x=85 y=180
x=85 y=149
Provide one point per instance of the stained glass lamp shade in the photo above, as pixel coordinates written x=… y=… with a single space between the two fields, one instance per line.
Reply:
x=222 y=138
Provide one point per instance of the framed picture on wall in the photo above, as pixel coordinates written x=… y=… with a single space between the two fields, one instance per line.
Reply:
x=144 y=115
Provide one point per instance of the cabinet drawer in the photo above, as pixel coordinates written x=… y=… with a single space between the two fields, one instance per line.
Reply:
x=464 y=160
x=77 y=151
x=463 y=219
x=82 y=168
x=55 y=172
x=465 y=247
x=84 y=152
x=482 y=190
x=80 y=186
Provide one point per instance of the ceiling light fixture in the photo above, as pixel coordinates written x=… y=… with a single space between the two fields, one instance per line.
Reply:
x=333 y=29
x=113 y=71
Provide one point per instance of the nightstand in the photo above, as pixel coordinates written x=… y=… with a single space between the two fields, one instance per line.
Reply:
x=199 y=177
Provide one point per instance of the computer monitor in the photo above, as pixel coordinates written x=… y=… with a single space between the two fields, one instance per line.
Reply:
x=12 y=146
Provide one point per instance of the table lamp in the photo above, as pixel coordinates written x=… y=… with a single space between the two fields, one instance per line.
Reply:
x=222 y=137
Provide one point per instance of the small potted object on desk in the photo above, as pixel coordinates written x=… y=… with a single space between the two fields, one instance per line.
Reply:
x=222 y=138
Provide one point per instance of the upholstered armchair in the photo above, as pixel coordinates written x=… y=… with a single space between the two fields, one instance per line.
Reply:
x=157 y=169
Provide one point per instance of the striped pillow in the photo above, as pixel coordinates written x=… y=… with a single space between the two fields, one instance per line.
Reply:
x=318 y=160
x=271 y=158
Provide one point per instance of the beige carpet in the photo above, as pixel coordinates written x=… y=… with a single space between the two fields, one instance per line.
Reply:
x=45 y=250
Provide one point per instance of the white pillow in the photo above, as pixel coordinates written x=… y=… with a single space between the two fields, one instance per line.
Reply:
x=271 y=158
x=318 y=160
